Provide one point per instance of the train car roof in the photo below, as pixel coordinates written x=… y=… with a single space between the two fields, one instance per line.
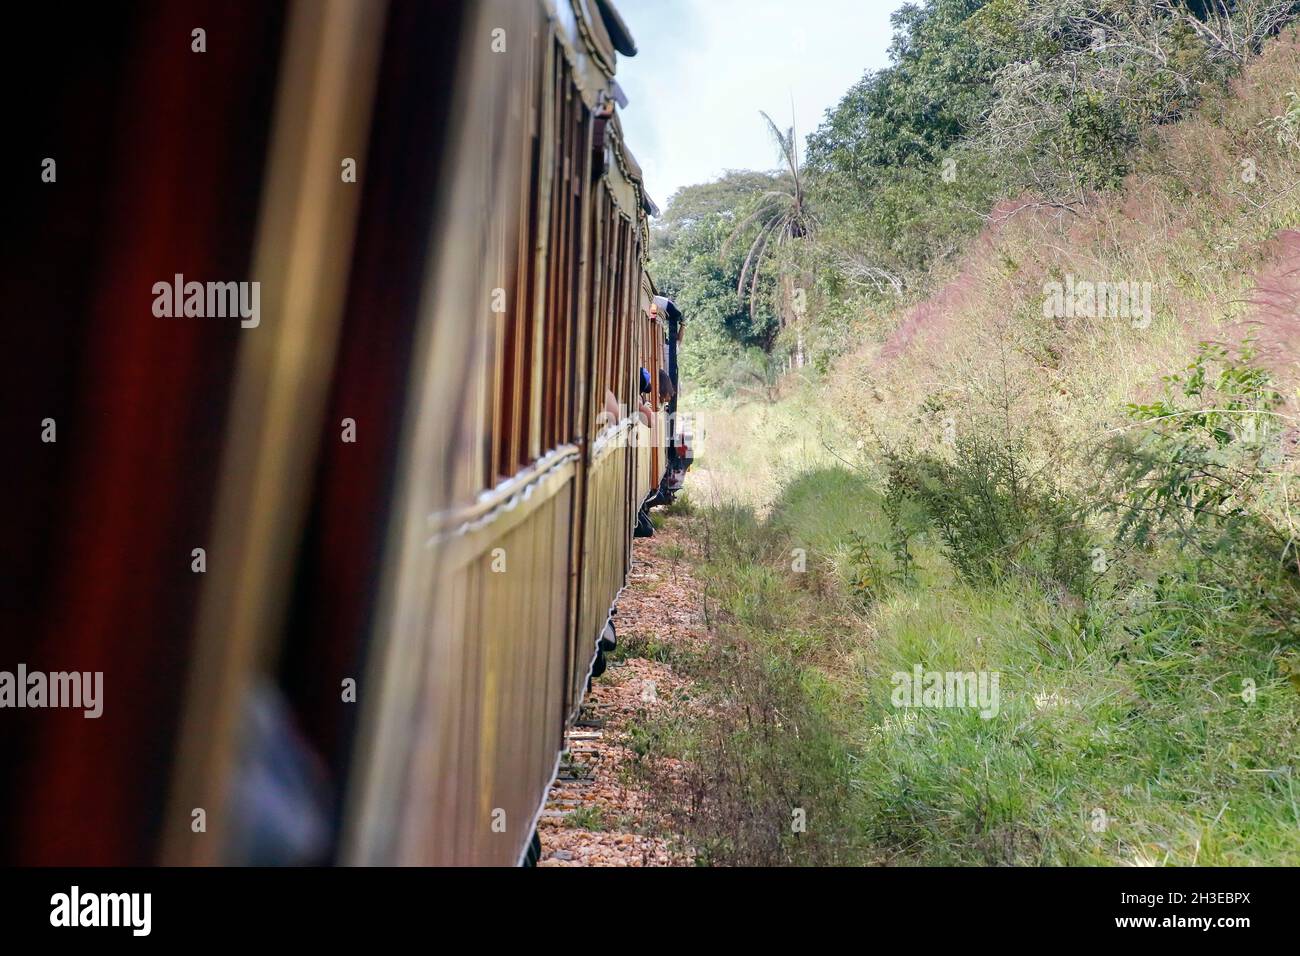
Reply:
x=594 y=20
x=617 y=29
x=629 y=171
x=593 y=33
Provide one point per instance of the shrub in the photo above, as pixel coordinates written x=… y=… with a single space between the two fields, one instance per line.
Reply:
x=1199 y=462
x=994 y=514
x=1286 y=128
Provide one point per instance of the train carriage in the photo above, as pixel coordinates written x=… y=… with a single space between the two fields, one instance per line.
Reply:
x=416 y=480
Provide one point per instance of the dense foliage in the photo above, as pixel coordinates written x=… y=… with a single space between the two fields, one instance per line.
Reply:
x=1044 y=102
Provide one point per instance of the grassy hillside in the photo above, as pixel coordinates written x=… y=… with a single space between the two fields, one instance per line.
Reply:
x=1097 y=509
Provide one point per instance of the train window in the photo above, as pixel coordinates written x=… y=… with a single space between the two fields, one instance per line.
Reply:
x=621 y=372
x=508 y=396
x=515 y=388
x=555 y=262
x=580 y=154
x=569 y=116
x=599 y=331
x=615 y=292
x=602 y=331
x=609 y=314
x=630 y=385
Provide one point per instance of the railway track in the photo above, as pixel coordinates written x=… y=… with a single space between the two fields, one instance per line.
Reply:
x=596 y=815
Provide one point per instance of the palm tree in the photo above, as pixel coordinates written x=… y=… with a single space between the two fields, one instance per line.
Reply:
x=782 y=216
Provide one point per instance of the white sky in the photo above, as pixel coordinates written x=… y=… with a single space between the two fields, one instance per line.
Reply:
x=704 y=69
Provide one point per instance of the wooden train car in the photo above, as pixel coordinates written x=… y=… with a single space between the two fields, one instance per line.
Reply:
x=344 y=555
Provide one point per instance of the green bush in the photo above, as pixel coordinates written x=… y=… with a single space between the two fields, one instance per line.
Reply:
x=1199 y=464
x=994 y=513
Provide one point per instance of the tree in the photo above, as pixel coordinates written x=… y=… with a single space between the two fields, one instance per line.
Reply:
x=689 y=263
x=781 y=216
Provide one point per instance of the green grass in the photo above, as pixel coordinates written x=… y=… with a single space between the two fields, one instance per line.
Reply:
x=648 y=647
x=586 y=818
x=1122 y=736
x=681 y=505
x=1137 y=715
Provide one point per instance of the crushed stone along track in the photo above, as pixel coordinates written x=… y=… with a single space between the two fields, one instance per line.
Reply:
x=593 y=815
